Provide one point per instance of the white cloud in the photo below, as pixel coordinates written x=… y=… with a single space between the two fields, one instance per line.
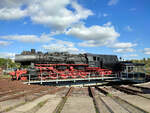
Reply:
x=89 y=43
x=13 y=9
x=56 y=15
x=62 y=46
x=123 y=45
x=94 y=35
x=128 y=28
x=112 y=2
x=132 y=9
x=99 y=15
x=131 y=55
x=52 y=13
x=80 y=12
x=28 y=38
x=147 y=51
x=108 y=24
x=13 y=3
x=4 y=43
x=11 y=13
x=61 y=17
x=7 y=55
x=105 y=14
x=24 y=23
x=124 y=50
x=53 y=45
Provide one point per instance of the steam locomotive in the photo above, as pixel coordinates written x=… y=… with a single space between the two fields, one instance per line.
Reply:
x=63 y=65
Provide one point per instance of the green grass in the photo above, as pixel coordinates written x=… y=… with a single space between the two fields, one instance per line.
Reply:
x=41 y=103
x=110 y=95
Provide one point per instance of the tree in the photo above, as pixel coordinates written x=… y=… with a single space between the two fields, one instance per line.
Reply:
x=4 y=63
x=146 y=62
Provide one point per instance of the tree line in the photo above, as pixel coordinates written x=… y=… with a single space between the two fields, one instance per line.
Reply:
x=146 y=61
x=8 y=63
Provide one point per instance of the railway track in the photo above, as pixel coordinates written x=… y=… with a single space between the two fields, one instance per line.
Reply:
x=79 y=102
x=28 y=97
x=115 y=104
x=11 y=92
x=140 y=87
x=21 y=94
x=70 y=100
x=100 y=105
x=62 y=103
x=130 y=91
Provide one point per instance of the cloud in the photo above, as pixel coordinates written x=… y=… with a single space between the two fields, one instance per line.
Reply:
x=95 y=35
x=12 y=13
x=25 y=23
x=99 y=15
x=123 y=45
x=4 y=43
x=28 y=38
x=124 y=50
x=60 y=18
x=90 y=43
x=131 y=55
x=11 y=10
x=52 y=13
x=112 y=2
x=52 y=44
x=147 y=51
x=105 y=14
x=132 y=9
x=13 y=3
x=62 y=46
x=7 y=55
x=128 y=28
x=108 y=24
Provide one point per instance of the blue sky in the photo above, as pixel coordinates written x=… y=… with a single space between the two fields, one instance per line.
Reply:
x=119 y=27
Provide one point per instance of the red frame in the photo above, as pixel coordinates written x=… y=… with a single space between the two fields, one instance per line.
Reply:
x=49 y=71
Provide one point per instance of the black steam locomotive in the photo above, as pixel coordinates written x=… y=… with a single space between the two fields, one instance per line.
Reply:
x=63 y=65
x=92 y=60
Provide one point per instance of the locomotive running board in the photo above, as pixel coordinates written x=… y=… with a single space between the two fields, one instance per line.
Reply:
x=73 y=80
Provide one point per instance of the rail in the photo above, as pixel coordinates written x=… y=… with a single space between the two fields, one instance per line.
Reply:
x=123 y=103
x=92 y=93
x=62 y=103
x=130 y=91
